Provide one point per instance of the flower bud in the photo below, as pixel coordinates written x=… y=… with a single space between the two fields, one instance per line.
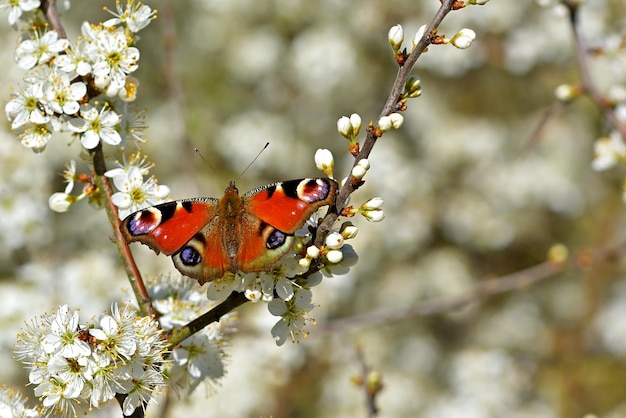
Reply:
x=374 y=215
x=566 y=92
x=419 y=35
x=384 y=123
x=355 y=122
x=312 y=252
x=358 y=172
x=334 y=241
x=334 y=256
x=371 y=209
x=373 y=203
x=60 y=202
x=463 y=39
x=396 y=120
x=396 y=36
x=364 y=162
x=324 y=161
x=344 y=127
x=305 y=263
x=412 y=87
x=348 y=231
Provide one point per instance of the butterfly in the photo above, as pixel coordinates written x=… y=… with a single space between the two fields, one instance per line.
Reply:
x=209 y=237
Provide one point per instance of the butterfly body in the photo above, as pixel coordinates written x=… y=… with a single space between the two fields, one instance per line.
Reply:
x=208 y=237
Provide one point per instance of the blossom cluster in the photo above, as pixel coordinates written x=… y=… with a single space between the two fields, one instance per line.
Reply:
x=200 y=358
x=77 y=366
x=82 y=87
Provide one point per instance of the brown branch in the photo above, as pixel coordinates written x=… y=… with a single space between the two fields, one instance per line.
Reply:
x=588 y=83
x=233 y=301
x=50 y=11
x=370 y=390
x=515 y=281
x=389 y=107
x=535 y=136
x=134 y=275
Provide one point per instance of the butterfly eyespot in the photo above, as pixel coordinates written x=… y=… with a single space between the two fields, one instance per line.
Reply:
x=313 y=190
x=190 y=256
x=144 y=221
x=275 y=239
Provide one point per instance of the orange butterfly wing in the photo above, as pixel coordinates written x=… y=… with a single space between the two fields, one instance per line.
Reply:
x=277 y=212
x=287 y=205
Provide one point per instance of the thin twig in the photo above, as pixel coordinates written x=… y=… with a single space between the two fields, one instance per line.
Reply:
x=588 y=82
x=233 y=301
x=515 y=281
x=132 y=271
x=370 y=395
x=50 y=11
x=390 y=106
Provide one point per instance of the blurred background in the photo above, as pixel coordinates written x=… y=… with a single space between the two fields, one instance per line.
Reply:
x=470 y=194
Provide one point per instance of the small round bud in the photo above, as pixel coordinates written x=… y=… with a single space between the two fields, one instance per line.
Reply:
x=334 y=256
x=334 y=241
x=396 y=120
x=364 y=162
x=463 y=39
x=358 y=172
x=305 y=263
x=558 y=253
x=324 y=161
x=566 y=92
x=312 y=252
x=384 y=123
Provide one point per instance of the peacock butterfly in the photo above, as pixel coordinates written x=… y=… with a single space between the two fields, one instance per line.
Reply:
x=208 y=237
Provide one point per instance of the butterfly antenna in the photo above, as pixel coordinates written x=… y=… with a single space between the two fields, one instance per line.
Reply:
x=253 y=160
x=205 y=160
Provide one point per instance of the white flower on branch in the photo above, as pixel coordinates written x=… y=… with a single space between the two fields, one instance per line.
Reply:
x=40 y=50
x=135 y=15
x=17 y=8
x=73 y=371
x=134 y=192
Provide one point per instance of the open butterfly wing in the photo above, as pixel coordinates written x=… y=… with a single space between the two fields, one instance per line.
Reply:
x=287 y=205
x=169 y=226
